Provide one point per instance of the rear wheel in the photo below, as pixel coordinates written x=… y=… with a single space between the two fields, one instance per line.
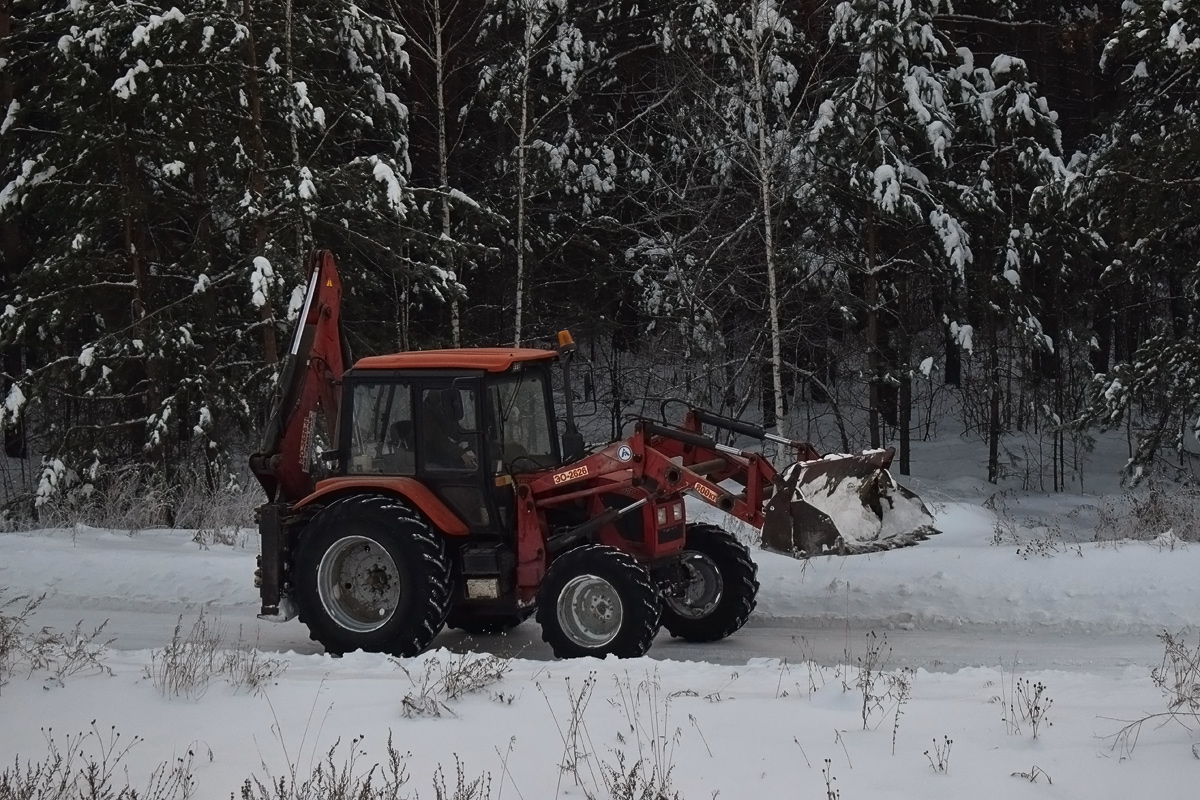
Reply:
x=371 y=575
x=595 y=601
x=712 y=589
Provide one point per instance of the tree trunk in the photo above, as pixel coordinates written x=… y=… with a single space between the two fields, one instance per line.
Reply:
x=258 y=177
x=522 y=135
x=209 y=314
x=135 y=240
x=993 y=400
x=439 y=65
x=952 y=375
x=1103 y=326
x=301 y=225
x=873 y=359
x=764 y=186
x=904 y=416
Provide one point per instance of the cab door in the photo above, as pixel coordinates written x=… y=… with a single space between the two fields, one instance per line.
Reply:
x=450 y=456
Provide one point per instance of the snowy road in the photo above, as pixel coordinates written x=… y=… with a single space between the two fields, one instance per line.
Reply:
x=764 y=637
x=956 y=601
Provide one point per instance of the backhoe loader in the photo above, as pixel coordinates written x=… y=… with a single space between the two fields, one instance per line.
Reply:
x=411 y=491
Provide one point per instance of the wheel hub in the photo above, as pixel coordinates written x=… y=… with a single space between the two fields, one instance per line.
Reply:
x=590 y=612
x=359 y=584
x=700 y=591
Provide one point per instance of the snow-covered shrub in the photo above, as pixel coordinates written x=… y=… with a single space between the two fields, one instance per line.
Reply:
x=129 y=498
x=137 y=497
x=1166 y=513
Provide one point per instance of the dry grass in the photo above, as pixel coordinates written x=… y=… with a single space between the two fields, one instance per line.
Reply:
x=53 y=655
x=90 y=766
x=642 y=765
x=438 y=682
x=135 y=498
x=192 y=662
x=1178 y=678
x=337 y=777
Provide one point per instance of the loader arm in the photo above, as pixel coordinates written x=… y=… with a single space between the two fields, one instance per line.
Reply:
x=659 y=462
x=684 y=459
x=309 y=384
x=845 y=503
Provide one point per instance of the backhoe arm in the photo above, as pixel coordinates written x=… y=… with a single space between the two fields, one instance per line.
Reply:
x=308 y=384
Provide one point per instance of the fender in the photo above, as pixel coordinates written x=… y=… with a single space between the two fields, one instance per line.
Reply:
x=438 y=513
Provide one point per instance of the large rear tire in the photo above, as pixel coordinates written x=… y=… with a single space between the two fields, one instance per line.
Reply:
x=596 y=601
x=371 y=575
x=716 y=590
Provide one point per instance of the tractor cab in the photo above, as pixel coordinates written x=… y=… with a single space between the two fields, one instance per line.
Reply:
x=461 y=422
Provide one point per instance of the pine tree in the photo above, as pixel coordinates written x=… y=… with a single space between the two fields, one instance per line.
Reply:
x=196 y=156
x=885 y=137
x=1014 y=198
x=1145 y=175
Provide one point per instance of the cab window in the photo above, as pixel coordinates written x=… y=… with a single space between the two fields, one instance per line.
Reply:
x=381 y=429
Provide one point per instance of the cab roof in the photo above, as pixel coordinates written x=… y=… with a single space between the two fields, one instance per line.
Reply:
x=489 y=359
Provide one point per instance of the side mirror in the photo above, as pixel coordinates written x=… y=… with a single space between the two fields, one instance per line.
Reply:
x=572 y=445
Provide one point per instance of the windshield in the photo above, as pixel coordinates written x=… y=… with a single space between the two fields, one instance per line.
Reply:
x=519 y=435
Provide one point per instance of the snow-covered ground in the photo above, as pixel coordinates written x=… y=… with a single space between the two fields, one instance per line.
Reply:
x=760 y=715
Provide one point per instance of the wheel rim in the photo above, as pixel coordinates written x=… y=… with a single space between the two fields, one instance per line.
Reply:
x=359 y=584
x=702 y=593
x=590 y=611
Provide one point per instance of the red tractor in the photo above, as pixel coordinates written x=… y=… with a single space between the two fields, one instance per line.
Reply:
x=430 y=488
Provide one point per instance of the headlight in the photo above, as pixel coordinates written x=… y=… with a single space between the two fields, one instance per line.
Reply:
x=662 y=515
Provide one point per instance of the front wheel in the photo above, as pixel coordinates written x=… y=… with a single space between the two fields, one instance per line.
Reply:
x=371 y=575
x=595 y=601
x=712 y=589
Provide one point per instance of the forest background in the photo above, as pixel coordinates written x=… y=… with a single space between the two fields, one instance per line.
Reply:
x=863 y=222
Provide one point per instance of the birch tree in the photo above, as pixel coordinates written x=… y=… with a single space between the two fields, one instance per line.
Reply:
x=534 y=89
x=750 y=73
x=443 y=38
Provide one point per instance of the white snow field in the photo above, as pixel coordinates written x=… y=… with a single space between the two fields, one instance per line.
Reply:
x=970 y=627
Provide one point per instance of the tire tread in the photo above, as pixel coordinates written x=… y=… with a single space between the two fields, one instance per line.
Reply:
x=739 y=595
x=643 y=604
x=431 y=555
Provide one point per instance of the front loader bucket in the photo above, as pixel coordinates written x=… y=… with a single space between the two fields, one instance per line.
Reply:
x=843 y=505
